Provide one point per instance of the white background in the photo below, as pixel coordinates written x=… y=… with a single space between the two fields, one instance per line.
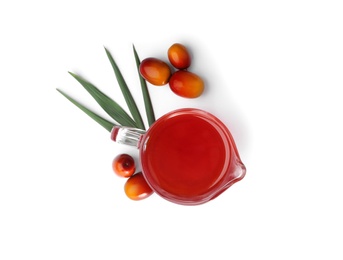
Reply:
x=273 y=73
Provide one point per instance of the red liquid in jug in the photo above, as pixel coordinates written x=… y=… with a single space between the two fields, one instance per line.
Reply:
x=186 y=155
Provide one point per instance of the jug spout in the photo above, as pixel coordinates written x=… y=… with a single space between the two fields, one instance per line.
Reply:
x=126 y=135
x=236 y=173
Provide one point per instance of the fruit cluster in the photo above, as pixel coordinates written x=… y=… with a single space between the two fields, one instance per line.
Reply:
x=182 y=82
x=136 y=188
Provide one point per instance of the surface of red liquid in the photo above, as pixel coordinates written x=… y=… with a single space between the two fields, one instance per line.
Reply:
x=185 y=155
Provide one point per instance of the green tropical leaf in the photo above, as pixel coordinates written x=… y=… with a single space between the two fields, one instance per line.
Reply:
x=110 y=106
x=146 y=96
x=103 y=122
x=126 y=93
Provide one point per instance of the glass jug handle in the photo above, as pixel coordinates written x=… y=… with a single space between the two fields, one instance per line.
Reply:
x=127 y=135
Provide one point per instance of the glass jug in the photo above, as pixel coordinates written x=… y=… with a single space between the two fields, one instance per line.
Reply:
x=188 y=156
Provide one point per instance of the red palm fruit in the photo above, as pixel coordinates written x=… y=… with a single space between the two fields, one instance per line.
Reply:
x=179 y=56
x=186 y=84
